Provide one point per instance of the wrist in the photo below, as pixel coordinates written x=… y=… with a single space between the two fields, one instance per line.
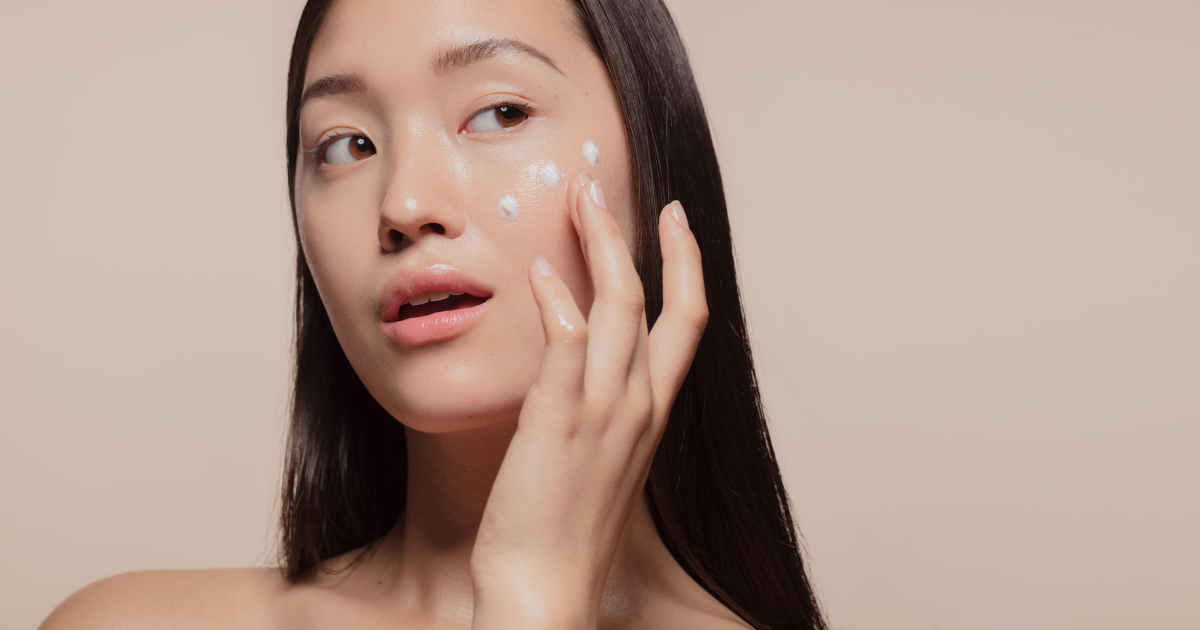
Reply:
x=519 y=603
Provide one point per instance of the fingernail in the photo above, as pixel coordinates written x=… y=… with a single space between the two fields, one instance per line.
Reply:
x=680 y=216
x=597 y=193
x=543 y=266
x=583 y=179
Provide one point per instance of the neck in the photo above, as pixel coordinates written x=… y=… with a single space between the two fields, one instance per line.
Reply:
x=426 y=557
x=449 y=478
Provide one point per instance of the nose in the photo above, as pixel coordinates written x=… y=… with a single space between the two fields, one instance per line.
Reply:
x=419 y=202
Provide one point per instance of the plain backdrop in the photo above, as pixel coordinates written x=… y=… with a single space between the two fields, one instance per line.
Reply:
x=967 y=234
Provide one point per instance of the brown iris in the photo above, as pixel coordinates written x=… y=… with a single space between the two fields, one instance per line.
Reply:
x=361 y=148
x=509 y=116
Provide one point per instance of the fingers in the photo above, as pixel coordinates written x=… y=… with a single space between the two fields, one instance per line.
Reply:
x=565 y=355
x=615 y=319
x=620 y=352
x=677 y=332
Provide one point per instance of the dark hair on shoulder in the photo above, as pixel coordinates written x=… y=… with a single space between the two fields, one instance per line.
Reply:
x=714 y=489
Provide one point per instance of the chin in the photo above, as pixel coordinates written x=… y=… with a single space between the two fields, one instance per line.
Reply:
x=456 y=397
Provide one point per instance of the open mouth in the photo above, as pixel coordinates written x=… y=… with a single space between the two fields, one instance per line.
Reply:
x=433 y=304
x=437 y=302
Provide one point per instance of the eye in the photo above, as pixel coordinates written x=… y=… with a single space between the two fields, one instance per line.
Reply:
x=348 y=149
x=497 y=118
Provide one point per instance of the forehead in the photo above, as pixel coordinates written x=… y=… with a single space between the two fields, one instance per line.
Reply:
x=404 y=37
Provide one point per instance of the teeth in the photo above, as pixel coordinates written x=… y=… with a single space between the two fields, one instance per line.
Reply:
x=432 y=296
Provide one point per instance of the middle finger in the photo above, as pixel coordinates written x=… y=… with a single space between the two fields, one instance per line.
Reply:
x=616 y=315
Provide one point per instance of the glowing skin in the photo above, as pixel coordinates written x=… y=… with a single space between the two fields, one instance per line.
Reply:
x=440 y=140
x=507 y=207
x=532 y=396
x=550 y=174
x=591 y=153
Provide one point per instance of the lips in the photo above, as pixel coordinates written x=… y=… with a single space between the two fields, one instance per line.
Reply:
x=431 y=304
x=437 y=302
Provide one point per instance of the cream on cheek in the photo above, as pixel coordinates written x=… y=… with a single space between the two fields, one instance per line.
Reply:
x=591 y=153
x=551 y=177
x=550 y=174
x=507 y=207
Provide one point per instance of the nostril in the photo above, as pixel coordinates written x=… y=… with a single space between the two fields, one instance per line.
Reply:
x=437 y=228
x=394 y=239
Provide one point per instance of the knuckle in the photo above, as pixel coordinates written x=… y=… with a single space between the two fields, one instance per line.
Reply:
x=605 y=413
x=573 y=336
x=631 y=298
x=638 y=410
x=640 y=424
x=697 y=316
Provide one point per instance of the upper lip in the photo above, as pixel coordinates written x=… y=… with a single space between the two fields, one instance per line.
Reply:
x=408 y=284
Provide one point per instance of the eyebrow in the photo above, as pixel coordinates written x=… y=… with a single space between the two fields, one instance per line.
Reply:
x=452 y=59
x=474 y=52
x=332 y=85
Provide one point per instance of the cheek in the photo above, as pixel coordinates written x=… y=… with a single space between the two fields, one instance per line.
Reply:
x=333 y=233
x=339 y=222
x=505 y=191
x=519 y=216
x=542 y=224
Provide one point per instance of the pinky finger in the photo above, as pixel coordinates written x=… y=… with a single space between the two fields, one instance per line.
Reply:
x=677 y=332
x=565 y=355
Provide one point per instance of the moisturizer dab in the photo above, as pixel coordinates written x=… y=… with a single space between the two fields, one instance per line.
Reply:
x=550 y=174
x=507 y=207
x=591 y=153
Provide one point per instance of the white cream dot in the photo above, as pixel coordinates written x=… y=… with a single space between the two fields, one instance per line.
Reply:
x=591 y=153
x=507 y=207
x=550 y=174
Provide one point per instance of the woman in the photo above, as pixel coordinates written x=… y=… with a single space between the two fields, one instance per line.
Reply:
x=508 y=408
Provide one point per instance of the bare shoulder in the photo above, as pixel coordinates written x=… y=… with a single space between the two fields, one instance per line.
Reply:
x=695 y=617
x=199 y=599
x=702 y=620
x=684 y=605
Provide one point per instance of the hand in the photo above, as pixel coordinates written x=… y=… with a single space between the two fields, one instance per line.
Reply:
x=589 y=427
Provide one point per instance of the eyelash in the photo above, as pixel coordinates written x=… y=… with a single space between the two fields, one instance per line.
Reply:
x=525 y=107
x=316 y=151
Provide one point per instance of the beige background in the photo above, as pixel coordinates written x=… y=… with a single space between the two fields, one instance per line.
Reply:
x=967 y=234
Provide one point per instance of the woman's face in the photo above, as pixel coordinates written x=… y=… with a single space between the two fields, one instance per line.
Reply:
x=419 y=117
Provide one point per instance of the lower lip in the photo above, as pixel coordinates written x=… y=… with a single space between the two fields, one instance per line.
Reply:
x=441 y=326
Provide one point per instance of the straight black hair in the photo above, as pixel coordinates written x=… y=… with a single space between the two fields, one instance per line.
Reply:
x=714 y=489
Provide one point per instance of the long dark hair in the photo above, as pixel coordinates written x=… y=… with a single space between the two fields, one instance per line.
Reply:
x=714 y=488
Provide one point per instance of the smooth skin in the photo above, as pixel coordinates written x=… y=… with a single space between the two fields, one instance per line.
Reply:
x=530 y=435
